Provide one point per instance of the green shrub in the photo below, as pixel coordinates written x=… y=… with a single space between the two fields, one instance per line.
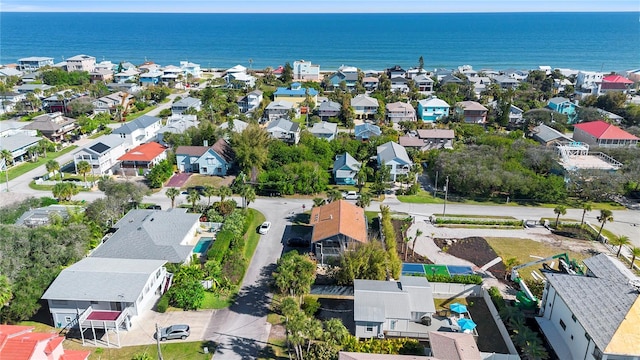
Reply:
x=496 y=297
x=220 y=246
x=459 y=279
x=233 y=266
x=480 y=222
x=310 y=305
x=163 y=303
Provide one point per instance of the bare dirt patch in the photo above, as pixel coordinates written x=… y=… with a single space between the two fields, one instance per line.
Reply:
x=474 y=249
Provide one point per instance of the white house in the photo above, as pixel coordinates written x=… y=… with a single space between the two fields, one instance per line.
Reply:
x=284 y=130
x=102 y=154
x=140 y=130
x=593 y=316
x=587 y=81
x=250 y=102
x=182 y=105
x=189 y=68
x=112 y=290
x=324 y=130
x=304 y=70
x=81 y=63
x=394 y=156
x=277 y=109
x=364 y=106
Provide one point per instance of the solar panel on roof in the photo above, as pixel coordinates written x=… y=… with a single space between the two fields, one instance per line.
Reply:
x=99 y=148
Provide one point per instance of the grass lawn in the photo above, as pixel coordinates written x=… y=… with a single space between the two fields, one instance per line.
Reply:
x=202 y=180
x=25 y=167
x=444 y=303
x=35 y=186
x=170 y=351
x=479 y=216
x=212 y=301
x=522 y=248
x=422 y=197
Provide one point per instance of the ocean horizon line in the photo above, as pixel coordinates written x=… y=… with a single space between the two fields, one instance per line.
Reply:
x=326 y=13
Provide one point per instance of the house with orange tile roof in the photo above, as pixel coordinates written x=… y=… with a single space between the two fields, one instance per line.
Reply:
x=600 y=133
x=21 y=343
x=143 y=157
x=337 y=227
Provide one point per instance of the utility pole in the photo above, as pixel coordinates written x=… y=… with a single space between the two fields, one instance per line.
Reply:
x=435 y=186
x=158 y=342
x=446 y=192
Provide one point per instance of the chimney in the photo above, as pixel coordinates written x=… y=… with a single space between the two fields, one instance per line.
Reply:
x=205 y=142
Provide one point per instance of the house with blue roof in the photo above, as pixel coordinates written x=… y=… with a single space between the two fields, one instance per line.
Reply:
x=432 y=109
x=564 y=106
x=345 y=169
x=365 y=131
x=140 y=130
x=295 y=94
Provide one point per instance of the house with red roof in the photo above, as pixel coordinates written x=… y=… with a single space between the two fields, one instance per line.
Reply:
x=600 y=133
x=614 y=83
x=21 y=343
x=143 y=157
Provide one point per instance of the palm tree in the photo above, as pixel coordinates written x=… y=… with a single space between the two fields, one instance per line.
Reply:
x=53 y=166
x=605 y=216
x=209 y=191
x=362 y=176
x=172 y=193
x=83 y=167
x=224 y=192
x=7 y=157
x=586 y=207
x=635 y=252
x=620 y=241
x=65 y=190
x=43 y=145
x=559 y=210
x=364 y=200
x=318 y=202
x=333 y=195
x=248 y=195
x=193 y=197
x=415 y=239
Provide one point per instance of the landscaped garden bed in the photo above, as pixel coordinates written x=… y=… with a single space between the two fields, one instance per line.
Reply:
x=401 y=246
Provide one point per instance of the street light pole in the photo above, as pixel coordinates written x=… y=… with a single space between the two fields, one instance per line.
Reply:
x=446 y=193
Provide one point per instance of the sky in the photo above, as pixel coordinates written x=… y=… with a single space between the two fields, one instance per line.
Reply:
x=318 y=6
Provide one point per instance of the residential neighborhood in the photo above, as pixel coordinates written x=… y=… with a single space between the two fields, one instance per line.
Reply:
x=305 y=209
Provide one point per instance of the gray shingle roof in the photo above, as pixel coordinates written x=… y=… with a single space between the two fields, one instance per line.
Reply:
x=187 y=102
x=324 y=128
x=283 y=124
x=546 y=134
x=280 y=104
x=599 y=303
x=376 y=301
x=150 y=234
x=364 y=100
x=391 y=150
x=329 y=106
x=17 y=141
x=142 y=122
x=100 y=279
x=348 y=160
x=367 y=129
x=558 y=100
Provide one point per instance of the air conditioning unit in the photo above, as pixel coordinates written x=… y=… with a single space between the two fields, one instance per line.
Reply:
x=381 y=336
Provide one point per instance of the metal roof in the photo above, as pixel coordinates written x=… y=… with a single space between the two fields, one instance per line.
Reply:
x=101 y=279
x=546 y=134
x=348 y=160
x=392 y=151
x=142 y=122
x=324 y=128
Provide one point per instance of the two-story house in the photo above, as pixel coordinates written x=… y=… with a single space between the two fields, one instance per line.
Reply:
x=564 y=106
x=239 y=80
x=587 y=82
x=350 y=79
x=600 y=133
x=278 y=109
x=337 y=227
x=400 y=111
x=304 y=70
x=505 y=82
x=109 y=103
x=53 y=126
x=182 y=105
x=102 y=154
x=364 y=106
x=365 y=131
x=345 y=169
x=396 y=71
x=284 y=130
x=424 y=84
x=394 y=156
x=436 y=138
x=81 y=63
x=472 y=112
x=593 y=316
x=370 y=83
x=140 y=130
x=328 y=109
x=191 y=69
x=150 y=78
x=250 y=102
x=296 y=94
x=34 y=63
x=432 y=109
x=127 y=76
x=206 y=160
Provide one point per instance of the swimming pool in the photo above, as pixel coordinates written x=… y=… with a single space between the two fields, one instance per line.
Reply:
x=203 y=245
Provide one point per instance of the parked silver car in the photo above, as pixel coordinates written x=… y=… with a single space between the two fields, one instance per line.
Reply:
x=179 y=331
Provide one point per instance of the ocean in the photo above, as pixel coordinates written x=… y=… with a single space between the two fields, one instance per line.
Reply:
x=587 y=41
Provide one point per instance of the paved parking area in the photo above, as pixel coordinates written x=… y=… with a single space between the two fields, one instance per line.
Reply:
x=143 y=328
x=178 y=180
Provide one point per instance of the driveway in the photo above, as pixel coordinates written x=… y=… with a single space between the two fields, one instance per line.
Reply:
x=143 y=327
x=178 y=180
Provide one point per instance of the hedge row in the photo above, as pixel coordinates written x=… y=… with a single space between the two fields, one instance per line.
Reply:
x=496 y=297
x=459 y=279
x=480 y=222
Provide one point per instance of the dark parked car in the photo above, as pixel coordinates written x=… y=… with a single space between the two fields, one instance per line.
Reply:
x=298 y=242
x=180 y=331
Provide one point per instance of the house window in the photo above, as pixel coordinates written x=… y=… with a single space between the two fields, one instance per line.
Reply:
x=58 y=302
x=369 y=327
x=563 y=325
x=597 y=353
x=94 y=303
x=587 y=336
x=393 y=324
x=67 y=319
x=574 y=318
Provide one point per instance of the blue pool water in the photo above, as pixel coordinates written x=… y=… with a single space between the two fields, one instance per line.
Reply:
x=203 y=245
x=460 y=270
